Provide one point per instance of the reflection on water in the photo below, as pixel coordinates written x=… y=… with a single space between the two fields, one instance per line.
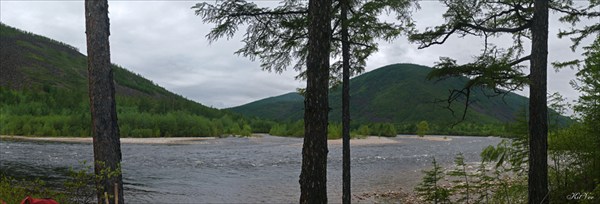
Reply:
x=264 y=169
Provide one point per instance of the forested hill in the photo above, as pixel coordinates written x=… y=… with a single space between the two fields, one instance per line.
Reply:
x=400 y=94
x=43 y=91
x=34 y=62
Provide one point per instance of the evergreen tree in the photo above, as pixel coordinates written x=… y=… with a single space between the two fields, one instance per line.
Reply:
x=105 y=130
x=483 y=184
x=501 y=69
x=588 y=106
x=280 y=35
x=313 y=176
x=461 y=184
x=430 y=188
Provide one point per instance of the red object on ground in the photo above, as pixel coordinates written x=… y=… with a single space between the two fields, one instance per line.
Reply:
x=30 y=200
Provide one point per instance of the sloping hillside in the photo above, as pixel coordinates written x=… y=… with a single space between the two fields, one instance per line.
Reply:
x=43 y=91
x=397 y=93
x=31 y=61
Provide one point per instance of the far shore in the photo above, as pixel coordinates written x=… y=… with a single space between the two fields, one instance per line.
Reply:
x=439 y=138
x=370 y=140
x=153 y=140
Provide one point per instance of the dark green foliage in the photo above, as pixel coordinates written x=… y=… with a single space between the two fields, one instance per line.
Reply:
x=422 y=128
x=574 y=175
x=277 y=36
x=574 y=152
x=431 y=189
x=462 y=184
x=387 y=95
x=501 y=69
x=54 y=101
x=383 y=96
x=79 y=187
x=363 y=130
x=390 y=130
x=64 y=113
x=14 y=191
x=462 y=188
x=284 y=108
x=295 y=129
x=334 y=131
x=573 y=13
x=483 y=184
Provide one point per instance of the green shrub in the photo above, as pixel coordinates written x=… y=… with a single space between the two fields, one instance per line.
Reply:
x=14 y=191
x=422 y=128
x=430 y=189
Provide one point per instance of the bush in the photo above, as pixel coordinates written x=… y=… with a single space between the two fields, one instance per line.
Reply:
x=14 y=191
x=422 y=128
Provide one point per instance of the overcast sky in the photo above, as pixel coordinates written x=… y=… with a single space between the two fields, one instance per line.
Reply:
x=164 y=42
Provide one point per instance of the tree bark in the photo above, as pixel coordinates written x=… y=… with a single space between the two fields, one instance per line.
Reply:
x=538 y=117
x=105 y=130
x=346 y=181
x=313 y=177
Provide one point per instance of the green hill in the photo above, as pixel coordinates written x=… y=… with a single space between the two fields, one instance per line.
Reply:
x=43 y=91
x=399 y=94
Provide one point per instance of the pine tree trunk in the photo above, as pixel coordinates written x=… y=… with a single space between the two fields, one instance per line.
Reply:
x=346 y=192
x=105 y=131
x=313 y=177
x=538 y=119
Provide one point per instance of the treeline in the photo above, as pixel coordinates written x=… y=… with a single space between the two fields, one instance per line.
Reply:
x=296 y=129
x=53 y=111
x=57 y=112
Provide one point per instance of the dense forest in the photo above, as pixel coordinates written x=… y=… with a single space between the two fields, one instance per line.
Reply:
x=58 y=112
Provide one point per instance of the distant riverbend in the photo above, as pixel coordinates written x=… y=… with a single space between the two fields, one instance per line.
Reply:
x=261 y=168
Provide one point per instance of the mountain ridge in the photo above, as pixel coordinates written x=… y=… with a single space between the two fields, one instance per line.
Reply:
x=396 y=93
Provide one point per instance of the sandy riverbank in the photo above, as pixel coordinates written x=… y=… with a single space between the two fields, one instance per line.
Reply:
x=370 y=140
x=428 y=137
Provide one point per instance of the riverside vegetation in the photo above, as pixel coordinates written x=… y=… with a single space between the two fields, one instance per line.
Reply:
x=501 y=176
x=42 y=93
x=80 y=187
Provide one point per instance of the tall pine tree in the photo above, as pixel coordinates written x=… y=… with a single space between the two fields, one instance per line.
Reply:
x=279 y=37
x=105 y=130
x=501 y=69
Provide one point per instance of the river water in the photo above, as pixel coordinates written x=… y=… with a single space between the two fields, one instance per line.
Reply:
x=241 y=170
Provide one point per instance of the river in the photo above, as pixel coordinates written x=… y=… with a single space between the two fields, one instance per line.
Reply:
x=241 y=170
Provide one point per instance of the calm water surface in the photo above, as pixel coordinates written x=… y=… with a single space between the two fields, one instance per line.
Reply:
x=233 y=170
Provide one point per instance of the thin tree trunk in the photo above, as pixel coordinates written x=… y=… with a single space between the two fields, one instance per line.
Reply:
x=313 y=177
x=105 y=130
x=538 y=119
x=346 y=192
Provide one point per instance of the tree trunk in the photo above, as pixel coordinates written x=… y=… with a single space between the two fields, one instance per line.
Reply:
x=346 y=192
x=105 y=130
x=313 y=177
x=538 y=117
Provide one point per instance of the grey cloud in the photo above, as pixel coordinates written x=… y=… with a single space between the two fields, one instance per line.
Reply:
x=164 y=42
